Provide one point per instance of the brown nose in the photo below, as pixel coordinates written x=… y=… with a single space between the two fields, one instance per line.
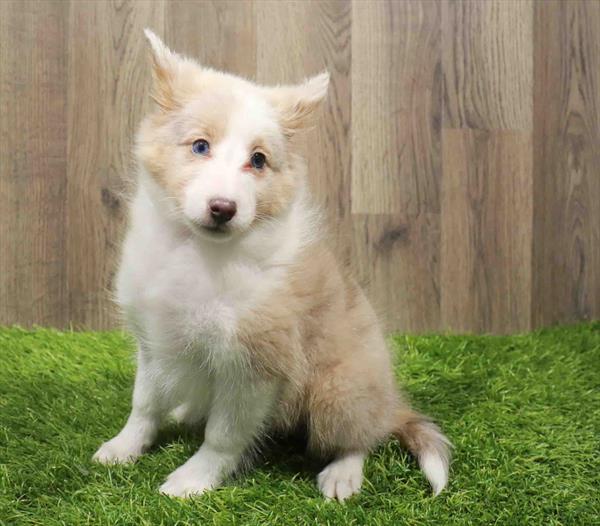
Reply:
x=222 y=210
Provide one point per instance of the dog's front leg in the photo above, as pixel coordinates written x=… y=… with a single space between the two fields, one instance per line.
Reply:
x=238 y=413
x=142 y=425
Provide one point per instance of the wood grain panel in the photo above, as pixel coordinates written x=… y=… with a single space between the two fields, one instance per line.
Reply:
x=486 y=231
x=219 y=33
x=457 y=158
x=396 y=171
x=396 y=107
x=397 y=261
x=566 y=247
x=302 y=39
x=32 y=162
x=109 y=80
x=488 y=64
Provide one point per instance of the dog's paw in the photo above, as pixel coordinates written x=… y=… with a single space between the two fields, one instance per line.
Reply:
x=342 y=478
x=186 y=482
x=118 y=451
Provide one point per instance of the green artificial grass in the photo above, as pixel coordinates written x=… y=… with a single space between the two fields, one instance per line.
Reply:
x=523 y=413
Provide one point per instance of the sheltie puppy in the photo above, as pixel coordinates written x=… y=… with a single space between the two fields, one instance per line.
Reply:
x=243 y=319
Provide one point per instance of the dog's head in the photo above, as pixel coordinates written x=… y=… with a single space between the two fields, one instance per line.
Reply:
x=218 y=146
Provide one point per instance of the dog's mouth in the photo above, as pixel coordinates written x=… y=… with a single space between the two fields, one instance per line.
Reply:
x=217 y=230
x=214 y=232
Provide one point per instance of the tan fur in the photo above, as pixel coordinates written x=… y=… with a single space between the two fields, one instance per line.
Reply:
x=319 y=334
x=297 y=105
x=159 y=149
x=160 y=138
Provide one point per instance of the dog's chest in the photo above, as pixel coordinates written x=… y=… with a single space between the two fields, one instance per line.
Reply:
x=182 y=300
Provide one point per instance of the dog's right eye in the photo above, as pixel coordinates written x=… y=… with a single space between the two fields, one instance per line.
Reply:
x=200 y=147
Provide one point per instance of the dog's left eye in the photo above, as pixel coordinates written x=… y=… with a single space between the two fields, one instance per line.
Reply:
x=200 y=147
x=258 y=160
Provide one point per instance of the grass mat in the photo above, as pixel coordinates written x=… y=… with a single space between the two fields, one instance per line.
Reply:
x=522 y=411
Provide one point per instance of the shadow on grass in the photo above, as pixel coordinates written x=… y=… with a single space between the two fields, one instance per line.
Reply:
x=280 y=454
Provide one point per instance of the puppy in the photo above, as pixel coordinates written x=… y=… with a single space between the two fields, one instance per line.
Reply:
x=243 y=319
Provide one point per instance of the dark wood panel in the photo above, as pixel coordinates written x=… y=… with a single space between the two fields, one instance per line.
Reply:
x=397 y=261
x=33 y=163
x=486 y=231
x=109 y=79
x=566 y=246
x=488 y=64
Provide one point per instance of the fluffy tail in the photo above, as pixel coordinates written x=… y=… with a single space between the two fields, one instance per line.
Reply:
x=427 y=443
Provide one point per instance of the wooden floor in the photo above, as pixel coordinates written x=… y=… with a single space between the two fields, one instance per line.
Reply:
x=458 y=158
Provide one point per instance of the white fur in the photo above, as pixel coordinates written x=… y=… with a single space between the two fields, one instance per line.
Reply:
x=184 y=290
x=224 y=177
x=435 y=459
x=435 y=468
x=236 y=415
x=182 y=295
x=343 y=477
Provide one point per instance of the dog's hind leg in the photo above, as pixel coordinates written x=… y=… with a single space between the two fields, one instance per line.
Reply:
x=348 y=416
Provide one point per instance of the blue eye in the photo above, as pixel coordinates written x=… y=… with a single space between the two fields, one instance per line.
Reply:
x=258 y=160
x=200 y=147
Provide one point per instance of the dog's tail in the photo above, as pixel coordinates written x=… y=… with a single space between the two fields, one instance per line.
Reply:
x=428 y=444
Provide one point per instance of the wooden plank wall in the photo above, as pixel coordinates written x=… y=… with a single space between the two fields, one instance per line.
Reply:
x=458 y=157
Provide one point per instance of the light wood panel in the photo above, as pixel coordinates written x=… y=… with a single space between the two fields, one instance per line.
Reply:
x=318 y=39
x=33 y=59
x=456 y=159
x=219 y=33
x=396 y=107
x=105 y=104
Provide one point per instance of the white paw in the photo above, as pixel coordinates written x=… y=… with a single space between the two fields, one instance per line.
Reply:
x=118 y=451
x=186 y=482
x=342 y=478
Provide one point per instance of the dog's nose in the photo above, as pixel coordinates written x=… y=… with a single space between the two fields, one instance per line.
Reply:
x=222 y=210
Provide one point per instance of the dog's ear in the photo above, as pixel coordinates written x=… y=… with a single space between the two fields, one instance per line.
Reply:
x=165 y=64
x=297 y=104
